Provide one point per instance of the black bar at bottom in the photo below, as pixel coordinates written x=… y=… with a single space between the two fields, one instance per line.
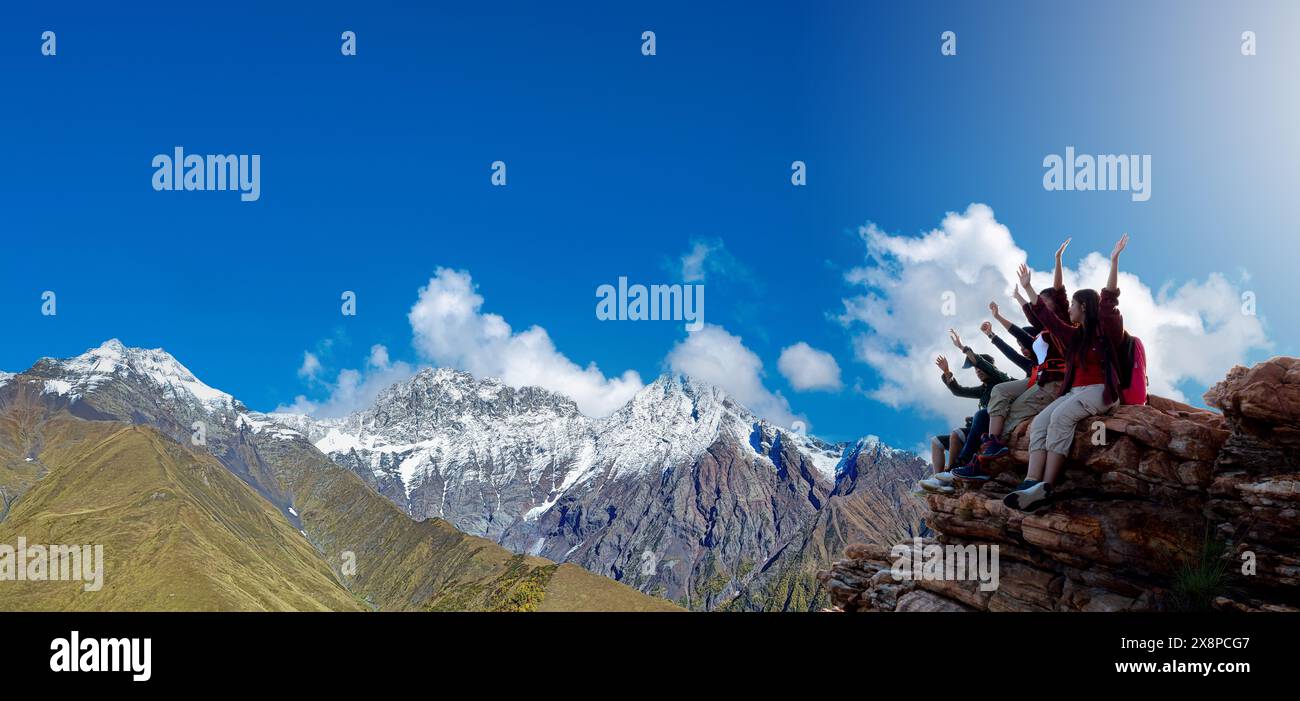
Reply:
x=502 y=651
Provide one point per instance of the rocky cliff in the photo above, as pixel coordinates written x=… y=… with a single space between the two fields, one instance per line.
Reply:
x=1163 y=507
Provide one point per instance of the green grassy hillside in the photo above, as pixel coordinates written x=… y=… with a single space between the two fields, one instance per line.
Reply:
x=182 y=531
x=402 y=564
x=179 y=532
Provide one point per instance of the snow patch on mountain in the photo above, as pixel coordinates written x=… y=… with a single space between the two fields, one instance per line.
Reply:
x=111 y=360
x=444 y=430
x=59 y=387
x=258 y=422
x=825 y=458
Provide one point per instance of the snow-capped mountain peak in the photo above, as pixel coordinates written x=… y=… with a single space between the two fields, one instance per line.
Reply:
x=439 y=442
x=678 y=470
x=78 y=375
x=445 y=395
x=675 y=393
x=671 y=420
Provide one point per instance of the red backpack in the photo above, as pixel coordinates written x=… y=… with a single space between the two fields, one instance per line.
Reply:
x=1133 y=372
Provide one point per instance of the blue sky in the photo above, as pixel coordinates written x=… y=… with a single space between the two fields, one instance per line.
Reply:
x=375 y=172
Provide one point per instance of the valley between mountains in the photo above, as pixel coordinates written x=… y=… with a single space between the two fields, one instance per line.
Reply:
x=449 y=492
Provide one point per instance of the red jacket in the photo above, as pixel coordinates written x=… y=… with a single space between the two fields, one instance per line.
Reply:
x=1109 y=345
x=1052 y=368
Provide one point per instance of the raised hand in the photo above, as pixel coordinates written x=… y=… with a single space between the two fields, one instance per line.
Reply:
x=942 y=362
x=993 y=306
x=987 y=328
x=1120 y=245
x=1058 y=271
x=1018 y=296
x=956 y=340
x=1112 y=282
x=1023 y=273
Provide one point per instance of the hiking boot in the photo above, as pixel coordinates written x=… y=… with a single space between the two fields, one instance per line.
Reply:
x=1030 y=498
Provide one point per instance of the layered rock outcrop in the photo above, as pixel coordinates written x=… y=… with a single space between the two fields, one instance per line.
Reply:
x=1163 y=507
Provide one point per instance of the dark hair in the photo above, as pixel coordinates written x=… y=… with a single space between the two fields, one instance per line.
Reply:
x=1090 y=301
x=1030 y=332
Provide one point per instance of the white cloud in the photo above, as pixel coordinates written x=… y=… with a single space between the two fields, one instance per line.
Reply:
x=310 y=367
x=1195 y=331
x=807 y=368
x=721 y=359
x=353 y=389
x=709 y=258
x=693 y=261
x=378 y=356
x=450 y=329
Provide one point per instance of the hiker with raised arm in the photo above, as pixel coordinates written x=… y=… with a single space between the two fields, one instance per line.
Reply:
x=1012 y=403
x=976 y=425
x=1093 y=342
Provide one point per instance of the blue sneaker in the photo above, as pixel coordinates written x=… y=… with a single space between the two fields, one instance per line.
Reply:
x=993 y=449
x=971 y=473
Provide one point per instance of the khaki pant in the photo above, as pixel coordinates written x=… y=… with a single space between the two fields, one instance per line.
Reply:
x=1017 y=401
x=1053 y=428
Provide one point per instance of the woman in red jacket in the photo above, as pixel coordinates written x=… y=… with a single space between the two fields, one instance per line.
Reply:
x=1092 y=343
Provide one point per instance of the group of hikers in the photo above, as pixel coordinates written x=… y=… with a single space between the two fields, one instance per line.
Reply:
x=1078 y=361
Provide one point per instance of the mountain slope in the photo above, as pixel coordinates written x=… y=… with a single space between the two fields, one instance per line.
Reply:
x=872 y=502
x=385 y=558
x=178 y=531
x=402 y=564
x=681 y=493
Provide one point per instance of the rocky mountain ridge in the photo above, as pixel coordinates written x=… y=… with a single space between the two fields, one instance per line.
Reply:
x=378 y=555
x=682 y=492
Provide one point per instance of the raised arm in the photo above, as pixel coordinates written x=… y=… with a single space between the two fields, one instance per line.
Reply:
x=1026 y=283
x=1021 y=337
x=955 y=387
x=1016 y=293
x=976 y=360
x=1112 y=282
x=1058 y=280
x=997 y=315
x=1028 y=310
x=965 y=350
x=1050 y=320
x=1016 y=357
x=1112 y=322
